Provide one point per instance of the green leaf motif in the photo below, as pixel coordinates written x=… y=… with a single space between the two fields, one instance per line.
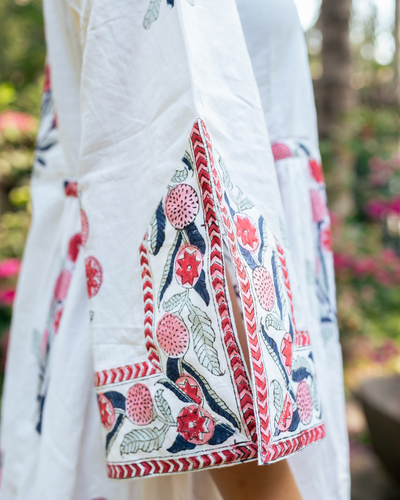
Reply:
x=152 y=13
x=225 y=176
x=278 y=400
x=246 y=204
x=167 y=267
x=203 y=340
x=191 y=2
x=174 y=301
x=301 y=362
x=285 y=238
x=275 y=322
x=163 y=406
x=180 y=176
x=146 y=440
x=280 y=290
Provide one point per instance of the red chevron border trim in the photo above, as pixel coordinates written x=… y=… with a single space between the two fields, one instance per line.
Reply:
x=124 y=373
x=286 y=279
x=292 y=445
x=218 y=281
x=248 y=310
x=168 y=466
x=302 y=339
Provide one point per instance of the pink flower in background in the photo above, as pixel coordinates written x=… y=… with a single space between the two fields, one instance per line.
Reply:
x=376 y=208
x=394 y=205
x=364 y=266
x=7 y=296
x=9 y=268
x=16 y=120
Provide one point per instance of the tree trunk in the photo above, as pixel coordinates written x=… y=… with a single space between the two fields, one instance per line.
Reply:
x=334 y=92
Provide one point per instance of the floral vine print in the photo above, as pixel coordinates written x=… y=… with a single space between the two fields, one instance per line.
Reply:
x=195 y=398
x=47 y=136
x=153 y=11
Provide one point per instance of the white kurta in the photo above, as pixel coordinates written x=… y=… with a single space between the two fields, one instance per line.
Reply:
x=153 y=154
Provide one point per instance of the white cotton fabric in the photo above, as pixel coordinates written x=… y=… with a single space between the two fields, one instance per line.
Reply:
x=126 y=98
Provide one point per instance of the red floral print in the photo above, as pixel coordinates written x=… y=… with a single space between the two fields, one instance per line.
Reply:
x=326 y=242
x=287 y=351
x=94 y=275
x=71 y=189
x=85 y=227
x=316 y=170
x=74 y=246
x=188 y=265
x=304 y=402
x=280 y=151
x=318 y=206
x=46 y=80
x=246 y=232
x=172 y=335
x=57 y=319
x=195 y=425
x=189 y=385
x=264 y=287
x=139 y=405
x=181 y=205
x=286 y=416
x=107 y=413
x=62 y=284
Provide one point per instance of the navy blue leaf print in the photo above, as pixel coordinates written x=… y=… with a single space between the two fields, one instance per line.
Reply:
x=272 y=343
x=276 y=286
x=114 y=431
x=187 y=163
x=170 y=2
x=173 y=369
x=41 y=406
x=179 y=394
x=160 y=235
x=201 y=288
x=304 y=149
x=295 y=421
x=247 y=257
x=217 y=408
x=291 y=330
x=262 y=235
x=180 y=444
x=195 y=237
x=229 y=205
x=221 y=434
x=311 y=356
x=300 y=374
x=171 y=268
x=116 y=399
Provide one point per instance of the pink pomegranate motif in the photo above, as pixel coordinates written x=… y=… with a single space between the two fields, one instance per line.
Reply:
x=172 y=335
x=71 y=189
x=325 y=237
x=287 y=352
x=74 y=246
x=188 y=265
x=264 y=287
x=94 y=275
x=139 y=405
x=318 y=206
x=181 y=205
x=62 y=284
x=246 y=232
x=280 y=151
x=304 y=402
x=107 y=413
x=286 y=416
x=195 y=424
x=316 y=170
x=85 y=227
x=57 y=319
x=189 y=385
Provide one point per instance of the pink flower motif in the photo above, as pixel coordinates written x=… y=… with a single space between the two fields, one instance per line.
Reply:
x=318 y=206
x=188 y=265
x=57 y=319
x=286 y=416
x=107 y=412
x=287 y=352
x=74 y=246
x=246 y=232
x=280 y=151
x=85 y=227
x=316 y=171
x=304 y=402
x=189 y=385
x=94 y=275
x=139 y=405
x=172 y=335
x=181 y=205
x=71 y=189
x=325 y=237
x=62 y=285
x=16 y=120
x=9 y=268
x=264 y=287
x=195 y=424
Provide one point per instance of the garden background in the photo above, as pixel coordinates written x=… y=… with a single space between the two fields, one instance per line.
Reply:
x=354 y=62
